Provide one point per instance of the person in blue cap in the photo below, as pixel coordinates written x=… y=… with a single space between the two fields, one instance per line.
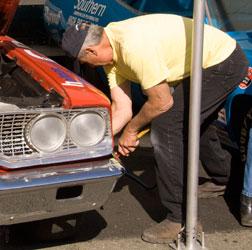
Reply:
x=155 y=51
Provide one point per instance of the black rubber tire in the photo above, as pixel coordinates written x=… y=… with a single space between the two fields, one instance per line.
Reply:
x=244 y=135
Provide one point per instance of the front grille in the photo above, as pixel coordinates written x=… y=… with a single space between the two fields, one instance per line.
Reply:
x=12 y=142
x=15 y=151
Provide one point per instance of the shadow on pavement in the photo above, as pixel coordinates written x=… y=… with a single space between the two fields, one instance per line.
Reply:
x=141 y=164
x=56 y=231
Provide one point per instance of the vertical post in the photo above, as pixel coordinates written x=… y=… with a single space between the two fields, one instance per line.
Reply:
x=194 y=123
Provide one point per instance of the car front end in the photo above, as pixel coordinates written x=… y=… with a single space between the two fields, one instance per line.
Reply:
x=56 y=143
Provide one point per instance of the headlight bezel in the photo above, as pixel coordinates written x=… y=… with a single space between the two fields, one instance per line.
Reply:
x=98 y=139
x=68 y=135
x=30 y=126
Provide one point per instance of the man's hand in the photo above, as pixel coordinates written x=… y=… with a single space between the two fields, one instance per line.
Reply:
x=127 y=142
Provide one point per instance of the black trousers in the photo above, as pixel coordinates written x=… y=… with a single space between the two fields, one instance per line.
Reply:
x=169 y=133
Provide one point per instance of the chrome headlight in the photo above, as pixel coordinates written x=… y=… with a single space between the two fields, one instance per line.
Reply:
x=46 y=133
x=87 y=128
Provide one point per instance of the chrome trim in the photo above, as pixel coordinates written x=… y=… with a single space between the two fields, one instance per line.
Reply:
x=32 y=195
x=60 y=176
x=30 y=125
x=75 y=117
x=16 y=153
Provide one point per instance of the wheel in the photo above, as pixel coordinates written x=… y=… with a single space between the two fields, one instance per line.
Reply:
x=241 y=110
x=244 y=135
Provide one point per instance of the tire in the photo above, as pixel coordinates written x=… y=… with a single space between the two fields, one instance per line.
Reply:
x=244 y=135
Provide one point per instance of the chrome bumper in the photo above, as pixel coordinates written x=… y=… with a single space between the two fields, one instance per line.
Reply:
x=56 y=190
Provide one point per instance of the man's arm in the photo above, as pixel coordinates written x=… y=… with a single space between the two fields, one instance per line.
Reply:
x=121 y=106
x=159 y=101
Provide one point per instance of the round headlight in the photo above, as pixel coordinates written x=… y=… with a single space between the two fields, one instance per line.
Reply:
x=46 y=133
x=87 y=129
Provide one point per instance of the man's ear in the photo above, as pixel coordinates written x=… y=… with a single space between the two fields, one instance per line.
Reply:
x=91 y=50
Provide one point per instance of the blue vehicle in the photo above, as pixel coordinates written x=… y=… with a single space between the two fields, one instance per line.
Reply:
x=58 y=14
x=231 y=16
x=234 y=17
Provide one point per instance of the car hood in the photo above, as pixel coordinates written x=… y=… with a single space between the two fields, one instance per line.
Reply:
x=7 y=11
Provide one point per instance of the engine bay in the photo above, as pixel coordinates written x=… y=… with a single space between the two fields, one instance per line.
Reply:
x=18 y=88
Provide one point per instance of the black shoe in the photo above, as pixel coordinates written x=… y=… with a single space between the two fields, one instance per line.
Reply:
x=246 y=211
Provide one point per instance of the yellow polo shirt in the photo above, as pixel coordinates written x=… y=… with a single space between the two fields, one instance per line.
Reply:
x=151 y=48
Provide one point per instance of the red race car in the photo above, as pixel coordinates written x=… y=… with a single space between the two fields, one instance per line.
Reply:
x=56 y=141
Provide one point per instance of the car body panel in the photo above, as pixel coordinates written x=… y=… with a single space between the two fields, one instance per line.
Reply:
x=58 y=14
x=235 y=18
x=7 y=11
x=51 y=75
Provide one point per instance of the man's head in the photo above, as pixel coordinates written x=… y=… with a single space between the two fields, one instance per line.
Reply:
x=84 y=41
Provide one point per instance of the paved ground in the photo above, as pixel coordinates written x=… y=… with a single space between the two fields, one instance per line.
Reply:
x=131 y=209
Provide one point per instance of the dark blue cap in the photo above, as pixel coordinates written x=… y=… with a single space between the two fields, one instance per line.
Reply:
x=74 y=37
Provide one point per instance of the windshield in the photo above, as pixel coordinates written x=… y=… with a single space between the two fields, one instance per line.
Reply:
x=231 y=15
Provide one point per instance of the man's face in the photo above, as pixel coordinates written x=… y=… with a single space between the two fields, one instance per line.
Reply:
x=97 y=56
x=91 y=60
x=88 y=61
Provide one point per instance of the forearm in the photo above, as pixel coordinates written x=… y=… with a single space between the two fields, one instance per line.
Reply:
x=120 y=118
x=121 y=106
x=147 y=113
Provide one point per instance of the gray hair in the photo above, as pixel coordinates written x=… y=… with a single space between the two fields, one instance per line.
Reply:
x=93 y=37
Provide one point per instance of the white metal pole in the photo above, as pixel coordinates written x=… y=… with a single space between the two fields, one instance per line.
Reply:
x=194 y=123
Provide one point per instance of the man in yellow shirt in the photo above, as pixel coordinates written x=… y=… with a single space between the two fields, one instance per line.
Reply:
x=155 y=51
